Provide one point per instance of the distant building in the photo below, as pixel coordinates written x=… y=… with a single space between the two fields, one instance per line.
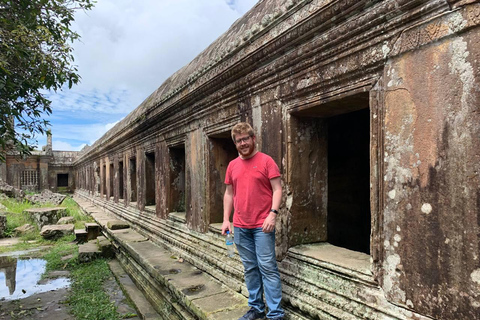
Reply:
x=46 y=169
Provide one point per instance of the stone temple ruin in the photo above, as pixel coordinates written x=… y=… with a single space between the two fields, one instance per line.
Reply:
x=372 y=111
x=44 y=169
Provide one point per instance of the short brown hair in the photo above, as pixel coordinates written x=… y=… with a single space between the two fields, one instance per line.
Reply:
x=242 y=128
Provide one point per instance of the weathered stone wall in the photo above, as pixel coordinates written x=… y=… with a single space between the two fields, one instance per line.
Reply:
x=294 y=69
x=431 y=174
x=44 y=165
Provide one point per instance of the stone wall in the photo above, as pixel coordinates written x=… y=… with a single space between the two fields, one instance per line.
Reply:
x=370 y=109
x=40 y=170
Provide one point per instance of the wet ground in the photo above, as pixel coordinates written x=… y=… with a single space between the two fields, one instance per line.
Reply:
x=24 y=296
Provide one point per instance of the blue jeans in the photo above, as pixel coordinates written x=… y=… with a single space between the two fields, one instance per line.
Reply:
x=257 y=251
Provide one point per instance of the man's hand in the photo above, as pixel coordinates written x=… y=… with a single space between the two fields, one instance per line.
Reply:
x=269 y=223
x=225 y=227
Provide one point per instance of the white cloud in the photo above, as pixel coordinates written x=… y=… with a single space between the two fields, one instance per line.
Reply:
x=128 y=48
x=132 y=47
x=59 y=145
x=80 y=132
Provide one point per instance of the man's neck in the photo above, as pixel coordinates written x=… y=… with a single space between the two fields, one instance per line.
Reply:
x=250 y=156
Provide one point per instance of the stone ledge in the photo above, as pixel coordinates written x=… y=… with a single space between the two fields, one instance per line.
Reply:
x=165 y=278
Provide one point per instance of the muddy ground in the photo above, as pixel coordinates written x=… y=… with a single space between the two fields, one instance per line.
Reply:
x=53 y=305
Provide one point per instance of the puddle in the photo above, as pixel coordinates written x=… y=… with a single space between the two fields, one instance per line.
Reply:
x=19 y=278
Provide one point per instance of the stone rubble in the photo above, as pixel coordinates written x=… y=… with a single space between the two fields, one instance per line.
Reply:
x=10 y=191
x=46 y=196
x=56 y=231
x=19 y=231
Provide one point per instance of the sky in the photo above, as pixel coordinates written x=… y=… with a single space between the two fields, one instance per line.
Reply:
x=128 y=48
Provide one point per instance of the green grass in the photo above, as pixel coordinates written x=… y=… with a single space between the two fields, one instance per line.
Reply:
x=87 y=299
x=16 y=216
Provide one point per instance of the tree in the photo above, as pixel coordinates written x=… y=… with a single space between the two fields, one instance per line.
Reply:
x=35 y=57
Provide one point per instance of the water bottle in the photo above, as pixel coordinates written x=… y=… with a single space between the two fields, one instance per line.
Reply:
x=229 y=243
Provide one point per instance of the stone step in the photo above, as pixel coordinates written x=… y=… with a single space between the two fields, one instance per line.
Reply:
x=170 y=282
x=117 y=224
x=105 y=246
x=93 y=230
x=81 y=235
x=142 y=305
x=88 y=252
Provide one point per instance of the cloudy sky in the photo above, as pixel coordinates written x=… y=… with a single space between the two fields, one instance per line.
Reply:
x=128 y=48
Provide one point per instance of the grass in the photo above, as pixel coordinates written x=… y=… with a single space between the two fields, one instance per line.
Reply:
x=16 y=216
x=87 y=298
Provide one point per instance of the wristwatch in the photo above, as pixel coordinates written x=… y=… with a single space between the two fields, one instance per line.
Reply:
x=274 y=211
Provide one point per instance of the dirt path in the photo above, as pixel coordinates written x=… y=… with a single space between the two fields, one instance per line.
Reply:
x=46 y=305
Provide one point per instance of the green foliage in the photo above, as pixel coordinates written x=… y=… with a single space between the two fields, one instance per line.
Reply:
x=16 y=218
x=88 y=299
x=35 y=56
x=56 y=253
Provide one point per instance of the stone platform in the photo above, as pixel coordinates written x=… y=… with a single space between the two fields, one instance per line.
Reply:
x=175 y=288
x=46 y=216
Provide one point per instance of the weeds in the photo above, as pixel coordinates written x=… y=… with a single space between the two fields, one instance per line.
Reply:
x=87 y=299
x=17 y=217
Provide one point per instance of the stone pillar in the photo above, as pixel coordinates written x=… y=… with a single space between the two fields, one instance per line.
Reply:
x=3 y=172
x=49 y=149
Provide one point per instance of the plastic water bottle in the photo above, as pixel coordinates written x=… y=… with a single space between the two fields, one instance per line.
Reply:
x=229 y=243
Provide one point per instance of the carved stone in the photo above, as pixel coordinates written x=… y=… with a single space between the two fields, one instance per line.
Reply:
x=371 y=110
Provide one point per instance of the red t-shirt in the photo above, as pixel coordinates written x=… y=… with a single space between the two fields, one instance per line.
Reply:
x=252 y=191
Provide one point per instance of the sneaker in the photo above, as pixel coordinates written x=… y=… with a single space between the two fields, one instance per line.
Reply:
x=253 y=314
x=276 y=318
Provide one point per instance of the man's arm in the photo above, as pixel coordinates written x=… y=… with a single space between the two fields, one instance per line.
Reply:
x=269 y=223
x=227 y=208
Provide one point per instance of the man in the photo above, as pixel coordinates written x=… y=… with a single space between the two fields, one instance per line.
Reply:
x=254 y=191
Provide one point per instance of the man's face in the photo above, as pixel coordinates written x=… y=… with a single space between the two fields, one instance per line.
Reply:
x=245 y=145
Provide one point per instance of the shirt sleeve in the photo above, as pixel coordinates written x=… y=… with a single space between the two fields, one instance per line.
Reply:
x=228 y=175
x=273 y=171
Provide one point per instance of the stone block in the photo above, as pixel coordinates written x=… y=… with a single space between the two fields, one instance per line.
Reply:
x=105 y=246
x=81 y=235
x=66 y=220
x=46 y=196
x=117 y=224
x=56 y=231
x=46 y=216
x=93 y=230
x=10 y=191
x=88 y=252
x=23 y=229
x=3 y=225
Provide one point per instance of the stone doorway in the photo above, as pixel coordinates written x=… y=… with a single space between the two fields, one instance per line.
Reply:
x=176 y=197
x=62 y=180
x=133 y=179
x=348 y=217
x=150 y=179
x=329 y=171
x=120 y=180
x=222 y=151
